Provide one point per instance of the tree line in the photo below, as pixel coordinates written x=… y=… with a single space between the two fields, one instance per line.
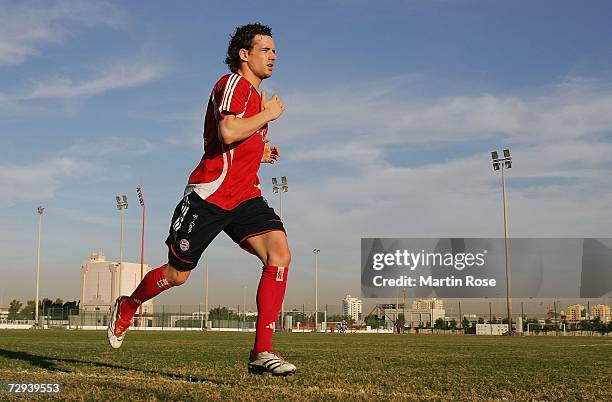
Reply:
x=58 y=309
x=469 y=327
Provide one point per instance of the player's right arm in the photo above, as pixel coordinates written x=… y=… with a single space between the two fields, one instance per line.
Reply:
x=234 y=128
x=232 y=102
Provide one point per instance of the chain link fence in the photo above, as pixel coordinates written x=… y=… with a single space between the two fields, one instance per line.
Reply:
x=529 y=317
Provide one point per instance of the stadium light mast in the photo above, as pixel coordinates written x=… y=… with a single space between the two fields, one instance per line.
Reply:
x=276 y=189
x=39 y=211
x=142 y=239
x=280 y=189
x=206 y=291
x=122 y=204
x=316 y=252
x=244 y=288
x=503 y=163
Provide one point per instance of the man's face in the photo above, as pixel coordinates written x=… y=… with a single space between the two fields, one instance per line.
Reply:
x=262 y=56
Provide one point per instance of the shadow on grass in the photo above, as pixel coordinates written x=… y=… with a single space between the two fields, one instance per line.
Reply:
x=50 y=363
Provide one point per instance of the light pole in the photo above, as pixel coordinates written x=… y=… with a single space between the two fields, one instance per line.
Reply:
x=122 y=204
x=505 y=163
x=144 y=207
x=206 y=291
x=40 y=211
x=280 y=189
x=276 y=189
x=244 y=307
x=316 y=252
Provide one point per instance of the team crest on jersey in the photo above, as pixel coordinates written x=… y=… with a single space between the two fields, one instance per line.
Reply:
x=184 y=244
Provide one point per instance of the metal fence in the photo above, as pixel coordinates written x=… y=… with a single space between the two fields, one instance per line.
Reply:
x=538 y=317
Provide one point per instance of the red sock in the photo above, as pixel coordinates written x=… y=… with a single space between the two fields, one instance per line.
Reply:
x=270 y=295
x=153 y=283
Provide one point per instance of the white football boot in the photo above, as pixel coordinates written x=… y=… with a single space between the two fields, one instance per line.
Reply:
x=116 y=329
x=268 y=362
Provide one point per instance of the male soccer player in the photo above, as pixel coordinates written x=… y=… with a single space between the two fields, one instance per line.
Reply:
x=223 y=194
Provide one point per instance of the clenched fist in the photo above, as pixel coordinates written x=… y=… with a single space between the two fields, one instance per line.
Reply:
x=274 y=107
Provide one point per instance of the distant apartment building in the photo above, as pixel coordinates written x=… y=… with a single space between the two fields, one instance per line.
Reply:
x=428 y=304
x=425 y=310
x=351 y=306
x=602 y=311
x=103 y=281
x=575 y=312
x=420 y=313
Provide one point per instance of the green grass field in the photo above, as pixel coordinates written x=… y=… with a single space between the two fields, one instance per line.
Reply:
x=199 y=366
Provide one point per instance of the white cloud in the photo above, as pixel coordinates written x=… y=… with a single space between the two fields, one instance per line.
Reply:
x=578 y=108
x=115 y=76
x=25 y=27
x=38 y=181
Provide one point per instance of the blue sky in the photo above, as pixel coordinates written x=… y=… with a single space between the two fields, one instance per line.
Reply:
x=392 y=110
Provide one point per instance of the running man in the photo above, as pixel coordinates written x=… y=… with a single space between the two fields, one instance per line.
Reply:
x=224 y=194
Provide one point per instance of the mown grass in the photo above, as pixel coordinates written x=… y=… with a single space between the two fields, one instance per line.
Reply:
x=203 y=366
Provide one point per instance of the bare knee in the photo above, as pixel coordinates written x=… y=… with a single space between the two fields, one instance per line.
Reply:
x=280 y=257
x=174 y=276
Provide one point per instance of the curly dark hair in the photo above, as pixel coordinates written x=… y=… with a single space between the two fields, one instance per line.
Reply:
x=243 y=39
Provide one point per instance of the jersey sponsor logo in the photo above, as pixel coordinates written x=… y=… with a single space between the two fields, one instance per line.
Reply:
x=184 y=244
x=191 y=224
x=162 y=283
x=280 y=274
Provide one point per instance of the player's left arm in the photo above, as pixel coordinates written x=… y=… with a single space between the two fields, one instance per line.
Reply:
x=271 y=154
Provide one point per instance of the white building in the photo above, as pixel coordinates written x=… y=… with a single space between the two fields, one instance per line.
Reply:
x=103 y=281
x=491 y=329
x=351 y=306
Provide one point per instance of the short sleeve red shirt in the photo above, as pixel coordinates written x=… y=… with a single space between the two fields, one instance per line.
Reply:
x=227 y=174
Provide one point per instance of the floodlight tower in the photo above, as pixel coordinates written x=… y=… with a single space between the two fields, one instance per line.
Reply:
x=206 y=290
x=501 y=164
x=316 y=252
x=122 y=204
x=276 y=189
x=142 y=238
x=40 y=211
x=280 y=189
x=244 y=288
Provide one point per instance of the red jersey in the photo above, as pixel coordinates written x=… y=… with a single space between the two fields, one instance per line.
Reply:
x=227 y=174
